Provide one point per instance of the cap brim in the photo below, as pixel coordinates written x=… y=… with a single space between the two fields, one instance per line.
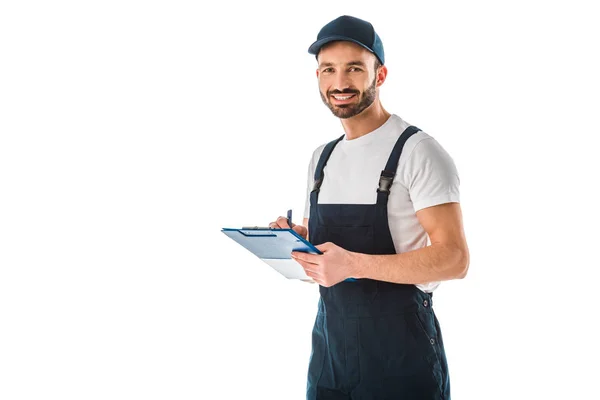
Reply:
x=316 y=46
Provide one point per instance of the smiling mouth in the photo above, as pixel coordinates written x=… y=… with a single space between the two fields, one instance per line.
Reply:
x=343 y=97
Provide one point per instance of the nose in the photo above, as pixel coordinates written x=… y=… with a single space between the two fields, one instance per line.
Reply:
x=341 y=81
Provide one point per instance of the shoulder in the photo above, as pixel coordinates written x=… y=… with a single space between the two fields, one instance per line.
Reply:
x=422 y=148
x=420 y=142
x=424 y=157
x=428 y=172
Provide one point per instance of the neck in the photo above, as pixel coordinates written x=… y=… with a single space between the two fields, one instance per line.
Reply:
x=367 y=121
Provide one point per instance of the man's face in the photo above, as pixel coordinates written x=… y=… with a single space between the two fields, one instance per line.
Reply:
x=347 y=78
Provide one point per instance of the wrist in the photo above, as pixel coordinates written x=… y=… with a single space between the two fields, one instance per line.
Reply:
x=357 y=265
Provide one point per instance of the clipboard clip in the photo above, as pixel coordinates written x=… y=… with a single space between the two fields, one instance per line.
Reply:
x=260 y=232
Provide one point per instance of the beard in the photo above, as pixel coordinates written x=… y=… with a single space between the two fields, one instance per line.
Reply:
x=350 y=110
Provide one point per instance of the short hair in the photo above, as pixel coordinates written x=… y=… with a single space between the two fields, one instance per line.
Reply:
x=377 y=64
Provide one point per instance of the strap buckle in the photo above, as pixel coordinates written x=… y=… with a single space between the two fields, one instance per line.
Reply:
x=317 y=184
x=385 y=181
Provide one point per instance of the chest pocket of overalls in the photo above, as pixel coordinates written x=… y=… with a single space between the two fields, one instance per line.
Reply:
x=349 y=226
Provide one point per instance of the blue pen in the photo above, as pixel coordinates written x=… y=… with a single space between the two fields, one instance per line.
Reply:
x=289 y=218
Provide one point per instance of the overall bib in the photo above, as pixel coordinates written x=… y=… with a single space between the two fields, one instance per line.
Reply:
x=371 y=339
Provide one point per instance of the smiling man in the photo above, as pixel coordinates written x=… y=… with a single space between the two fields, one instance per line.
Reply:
x=349 y=102
x=375 y=195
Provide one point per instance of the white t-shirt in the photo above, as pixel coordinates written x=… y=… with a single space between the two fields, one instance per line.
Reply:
x=426 y=176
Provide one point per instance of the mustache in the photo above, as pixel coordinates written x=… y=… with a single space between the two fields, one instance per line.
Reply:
x=345 y=91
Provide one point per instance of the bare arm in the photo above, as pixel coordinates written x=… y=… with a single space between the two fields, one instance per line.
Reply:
x=446 y=258
x=305 y=223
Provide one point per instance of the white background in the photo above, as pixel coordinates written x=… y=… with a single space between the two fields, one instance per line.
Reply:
x=132 y=132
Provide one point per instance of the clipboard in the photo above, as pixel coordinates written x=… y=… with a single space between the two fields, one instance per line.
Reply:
x=274 y=247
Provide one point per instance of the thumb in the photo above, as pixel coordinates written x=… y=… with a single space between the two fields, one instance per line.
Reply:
x=325 y=246
x=301 y=229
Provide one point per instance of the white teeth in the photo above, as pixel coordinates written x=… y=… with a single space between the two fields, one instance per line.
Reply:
x=343 y=97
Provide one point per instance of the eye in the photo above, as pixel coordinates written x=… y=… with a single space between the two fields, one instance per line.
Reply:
x=328 y=70
x=355 y=69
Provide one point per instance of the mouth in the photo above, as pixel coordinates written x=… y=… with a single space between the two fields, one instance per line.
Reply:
x=343 y=98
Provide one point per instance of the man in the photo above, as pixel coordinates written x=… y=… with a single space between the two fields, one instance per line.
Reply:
x=374 y=196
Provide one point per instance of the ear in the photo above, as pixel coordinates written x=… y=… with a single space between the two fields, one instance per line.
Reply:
x=381 y=75
x=317 y=71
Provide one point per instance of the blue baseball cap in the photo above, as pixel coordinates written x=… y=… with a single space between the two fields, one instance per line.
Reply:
x=349 y=29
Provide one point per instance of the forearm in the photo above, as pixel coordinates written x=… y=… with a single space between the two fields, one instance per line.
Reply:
x=437 y=262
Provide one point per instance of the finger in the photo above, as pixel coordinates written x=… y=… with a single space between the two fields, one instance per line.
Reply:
x=301 y=230
x=314 y=276
x=283 y=222
x=310 y=268
x=319 y=281
x=325 y=246
x=306 y=257
x=277 y=223
x=303 y=264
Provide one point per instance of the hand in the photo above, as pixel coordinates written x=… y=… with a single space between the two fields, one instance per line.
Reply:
x=333 y=266
x=282 y=223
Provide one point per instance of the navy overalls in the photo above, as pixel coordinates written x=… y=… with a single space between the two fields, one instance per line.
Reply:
x=371 y=339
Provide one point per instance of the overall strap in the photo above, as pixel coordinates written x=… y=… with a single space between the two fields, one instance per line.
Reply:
x=322 y=161
x=387 y=175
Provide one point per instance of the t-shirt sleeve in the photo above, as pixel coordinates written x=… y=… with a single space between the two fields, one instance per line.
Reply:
x=310 y=179
x=309 y=184
x=431 y=175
